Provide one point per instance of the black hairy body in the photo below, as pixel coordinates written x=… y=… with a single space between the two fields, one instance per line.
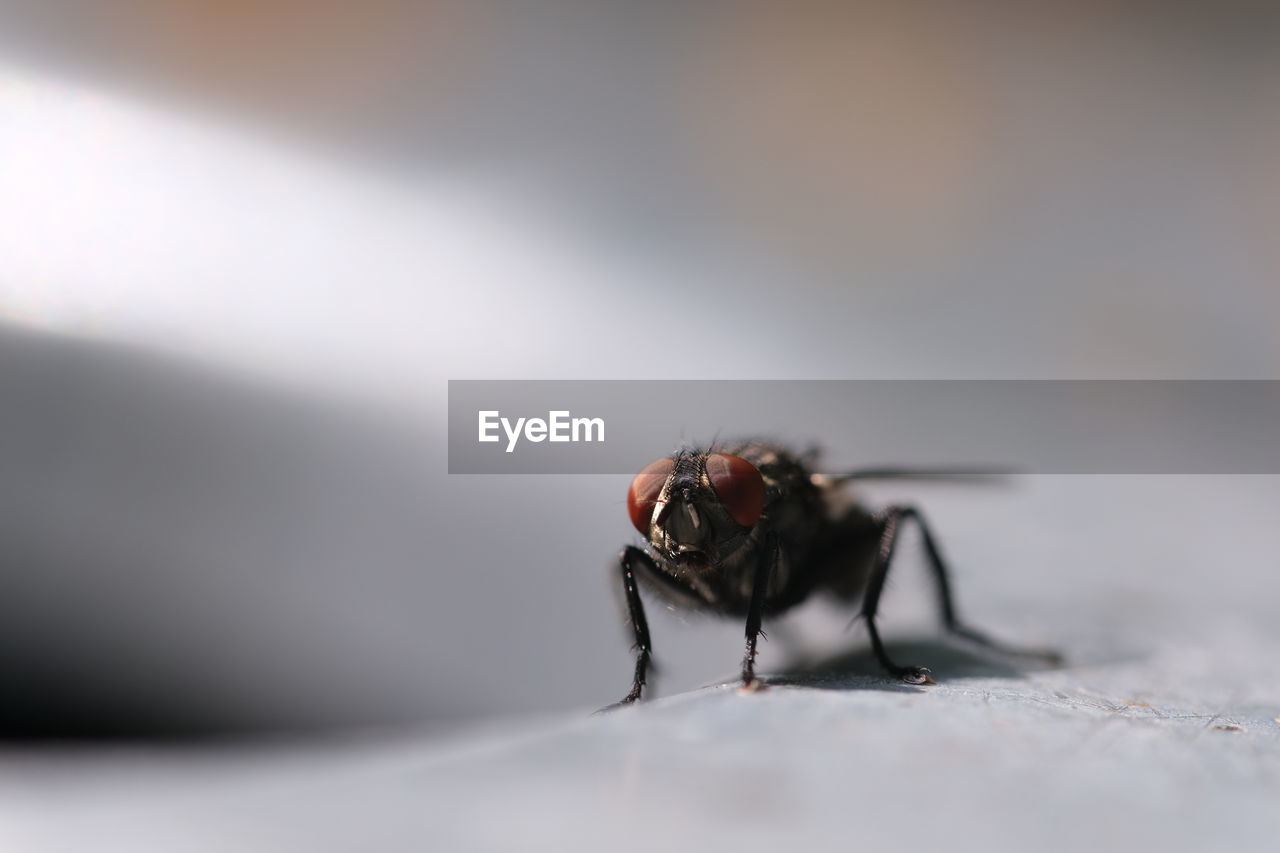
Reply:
x=749 y=530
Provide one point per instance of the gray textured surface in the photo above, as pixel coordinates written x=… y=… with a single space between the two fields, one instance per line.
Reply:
x=1174 y=751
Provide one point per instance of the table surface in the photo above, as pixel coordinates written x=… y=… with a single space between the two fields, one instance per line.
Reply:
x=1171 y=751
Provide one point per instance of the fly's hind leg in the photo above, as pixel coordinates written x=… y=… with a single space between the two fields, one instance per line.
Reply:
x=890 y=528
x=946 y=598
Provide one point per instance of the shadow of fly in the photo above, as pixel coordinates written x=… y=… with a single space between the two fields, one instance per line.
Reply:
x=747 y=530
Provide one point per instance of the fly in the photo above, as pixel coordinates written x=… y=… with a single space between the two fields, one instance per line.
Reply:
x=748 y=531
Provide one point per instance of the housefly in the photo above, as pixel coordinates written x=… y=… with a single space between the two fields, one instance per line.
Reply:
x=748 y=530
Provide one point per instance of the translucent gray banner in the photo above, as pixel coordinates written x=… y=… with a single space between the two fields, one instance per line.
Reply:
x=1031 y=426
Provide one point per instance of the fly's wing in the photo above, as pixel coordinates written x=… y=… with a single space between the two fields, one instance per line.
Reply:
x=959 y=473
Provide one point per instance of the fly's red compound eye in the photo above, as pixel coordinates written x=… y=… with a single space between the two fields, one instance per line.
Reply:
x=644 y=492
x=738 y=485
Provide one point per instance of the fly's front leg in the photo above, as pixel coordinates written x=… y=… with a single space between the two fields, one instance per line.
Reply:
x=755 y=610
x=631 y=555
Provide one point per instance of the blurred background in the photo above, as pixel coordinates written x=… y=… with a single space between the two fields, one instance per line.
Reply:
x=243 y=245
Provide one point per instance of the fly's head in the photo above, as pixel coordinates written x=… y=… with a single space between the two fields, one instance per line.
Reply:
x=697 y=509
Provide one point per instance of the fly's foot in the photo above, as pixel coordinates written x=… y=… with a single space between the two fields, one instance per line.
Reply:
x=1051 y=657
x=752 y=685
x=912 y=674
x=624 y=702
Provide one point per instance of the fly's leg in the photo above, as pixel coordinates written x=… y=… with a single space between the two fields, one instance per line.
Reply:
x=946 y=599
x=755 y=610
x=890 y=527
x=635 y=610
